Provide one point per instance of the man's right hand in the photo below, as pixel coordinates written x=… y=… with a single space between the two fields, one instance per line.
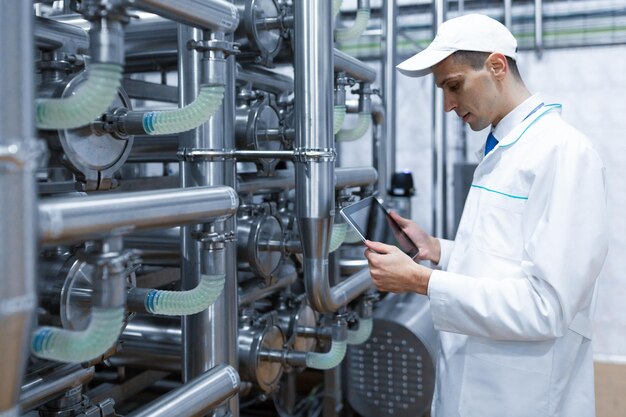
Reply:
x=429 y=247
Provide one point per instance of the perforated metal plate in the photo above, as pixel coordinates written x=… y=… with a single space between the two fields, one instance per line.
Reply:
x=391 y=374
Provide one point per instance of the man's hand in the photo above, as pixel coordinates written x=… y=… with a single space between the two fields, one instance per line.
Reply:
x=429 y=247
x=393 y=271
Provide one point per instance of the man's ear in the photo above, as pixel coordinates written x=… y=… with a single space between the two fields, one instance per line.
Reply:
x=497 y=64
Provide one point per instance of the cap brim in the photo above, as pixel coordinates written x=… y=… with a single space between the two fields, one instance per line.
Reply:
x=421 y=63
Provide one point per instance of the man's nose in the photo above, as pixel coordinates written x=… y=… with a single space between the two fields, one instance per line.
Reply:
x=449 y=104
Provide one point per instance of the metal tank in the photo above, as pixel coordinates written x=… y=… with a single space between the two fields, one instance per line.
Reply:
x=393 y=372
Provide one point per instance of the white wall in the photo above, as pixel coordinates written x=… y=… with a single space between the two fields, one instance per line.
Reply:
x=591 y=85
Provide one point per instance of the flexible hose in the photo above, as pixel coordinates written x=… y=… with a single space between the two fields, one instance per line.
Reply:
x=91 y=99
x=337 y=236
x=356 y=30
x=329 y=359
x=183 y=303
x=63 y=345
x=189 y=117
x=336 y=6
x=363 y=333
x=359 y=130
x=339 y=115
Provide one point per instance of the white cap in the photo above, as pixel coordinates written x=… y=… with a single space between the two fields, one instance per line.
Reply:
x=471 y=32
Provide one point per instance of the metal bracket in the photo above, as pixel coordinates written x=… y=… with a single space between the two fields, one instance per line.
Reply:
x=214 y=237
x=229 y=48
x=314 y=155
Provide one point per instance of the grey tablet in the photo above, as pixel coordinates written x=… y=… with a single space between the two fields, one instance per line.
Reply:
x=372 y=221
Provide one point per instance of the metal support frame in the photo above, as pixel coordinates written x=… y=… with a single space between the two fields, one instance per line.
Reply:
x=387 y=160
x=19 y=153
x=439 y=145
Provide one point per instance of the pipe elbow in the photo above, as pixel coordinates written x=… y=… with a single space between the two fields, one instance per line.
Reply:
x=330 y=359
x=358 y=131
x=80 y=346
x=183 y=303
x=189 y=117
x=90 y=101
x=356 y=337
x=356 y=30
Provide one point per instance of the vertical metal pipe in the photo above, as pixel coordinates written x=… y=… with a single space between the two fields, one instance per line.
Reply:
x=18 y=238
x=227 y=305
x=539 y=27
x=196 y=348
x=440 y=163
x=210 y=337
x=315 y=196
x=387 y=148
x=462 y=7
x=508 y=13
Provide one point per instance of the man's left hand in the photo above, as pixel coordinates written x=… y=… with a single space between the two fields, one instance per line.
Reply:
x=393 y=271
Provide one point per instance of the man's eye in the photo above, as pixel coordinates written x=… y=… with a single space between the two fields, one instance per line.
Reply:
x=453 y=87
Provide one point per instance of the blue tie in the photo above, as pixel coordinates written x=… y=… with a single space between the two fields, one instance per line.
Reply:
x=491 y=143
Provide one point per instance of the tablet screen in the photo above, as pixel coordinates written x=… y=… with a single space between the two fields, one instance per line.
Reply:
x=374 y=223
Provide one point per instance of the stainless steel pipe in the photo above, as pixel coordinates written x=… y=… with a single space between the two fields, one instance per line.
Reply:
x=197 y=397
x=354 y=177
x=51 y=34
x=439 y=145
x=539 y=27
x=92 y=217
x=215 y=15
x=346 y=291
x=253 y=292
x=198 y=341
x=19 y=152
x=351 y=66
x=389 y=58
x=265 y=80
x=49 y=383
x=344 y=178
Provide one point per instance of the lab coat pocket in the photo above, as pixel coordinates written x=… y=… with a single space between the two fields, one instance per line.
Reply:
x=506 y=378
x=498 y=229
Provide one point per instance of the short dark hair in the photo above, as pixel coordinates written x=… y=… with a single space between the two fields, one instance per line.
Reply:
x=476 y=60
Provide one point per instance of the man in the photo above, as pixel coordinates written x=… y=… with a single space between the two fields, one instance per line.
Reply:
x=513 y=293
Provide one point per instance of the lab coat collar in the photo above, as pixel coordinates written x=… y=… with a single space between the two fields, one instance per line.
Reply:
x=516 y=117
x=514 y=125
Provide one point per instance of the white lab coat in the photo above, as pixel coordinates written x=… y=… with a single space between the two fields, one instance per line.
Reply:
x=513 y=300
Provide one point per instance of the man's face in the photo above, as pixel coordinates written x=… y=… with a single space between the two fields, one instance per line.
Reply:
x=472 y=94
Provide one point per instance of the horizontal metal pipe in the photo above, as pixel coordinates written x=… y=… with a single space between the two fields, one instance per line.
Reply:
x=244 y=155
x=325 y=298
x=215 y=15
x=92 y=217
x=253 y=292
x=51 y=34
x=281 y=180
x=344 y=178
x=252 y=155
x=161 y=239
x=197 y=396
x=346 y=291
x=154 y=149
x=353 y=67
x=144 y=357
x=265 y=80
x=42 y=386
x=353 y=177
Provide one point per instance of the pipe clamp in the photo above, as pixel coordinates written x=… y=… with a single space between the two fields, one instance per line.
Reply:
x=229 y=48
x=314 y=155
